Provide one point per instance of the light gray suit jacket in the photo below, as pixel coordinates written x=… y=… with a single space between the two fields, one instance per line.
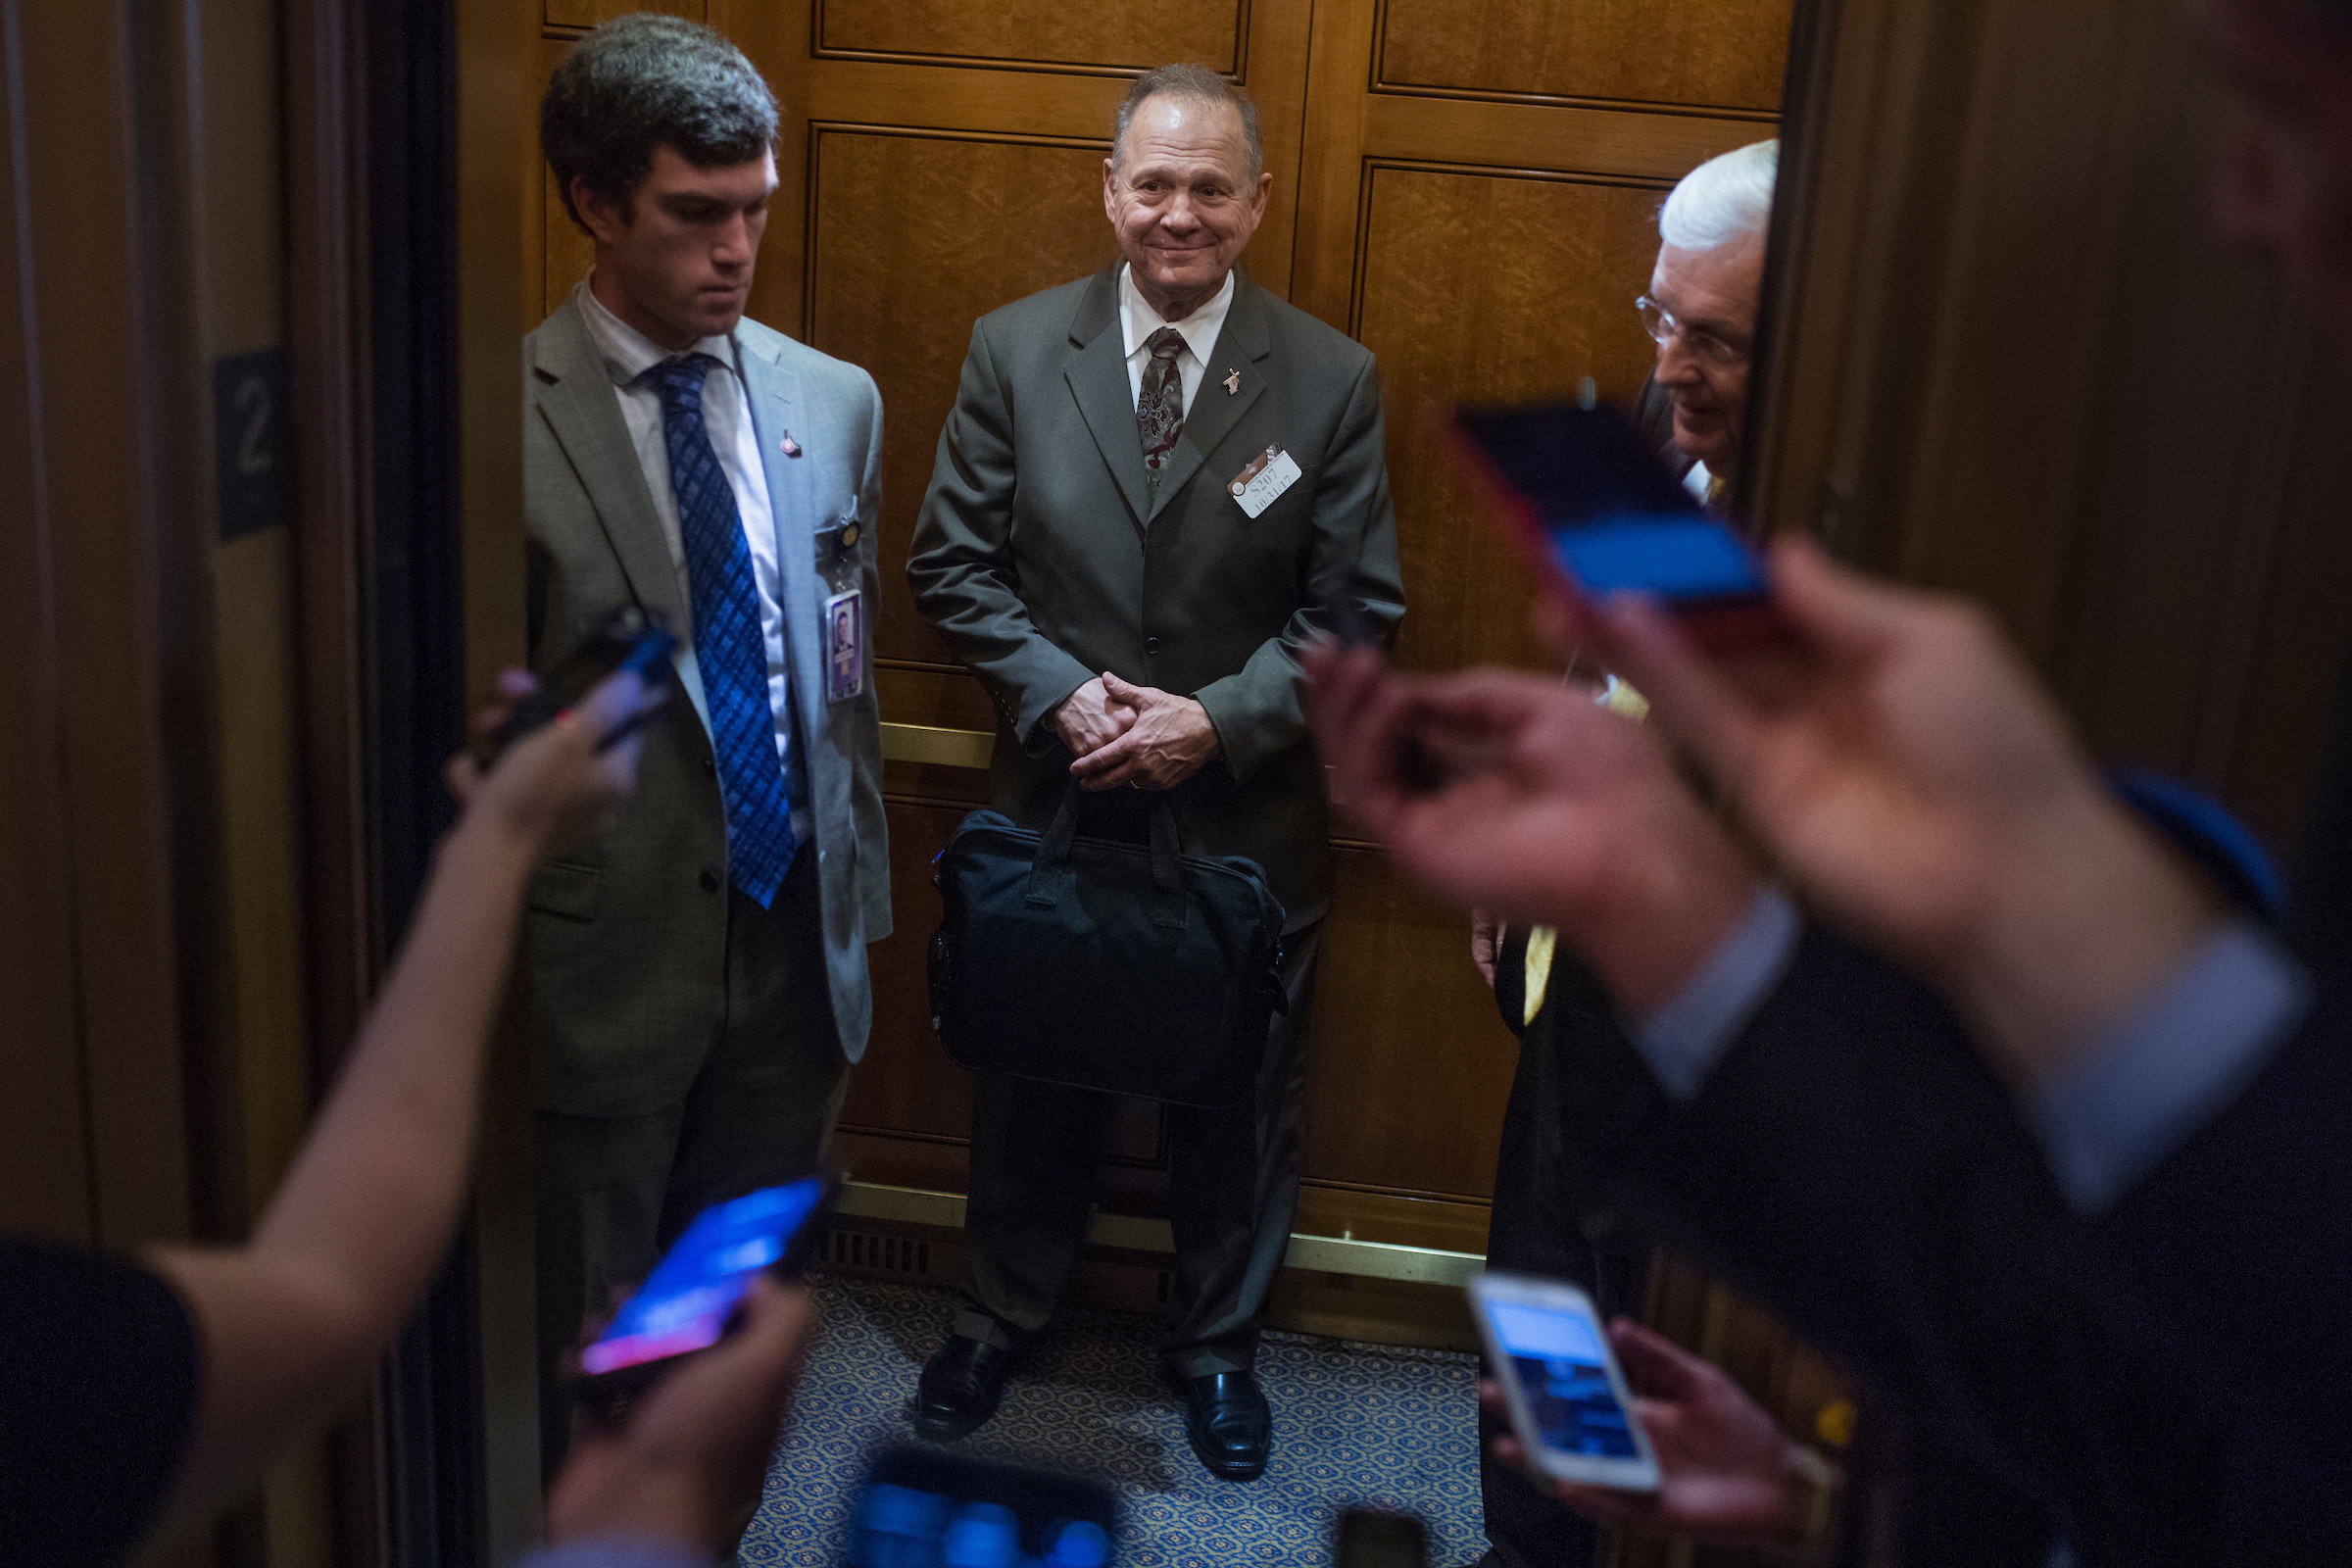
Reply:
x=1044 y=557
x=627 y=935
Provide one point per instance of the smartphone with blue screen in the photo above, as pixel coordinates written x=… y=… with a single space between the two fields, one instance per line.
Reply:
x=1595 y=512
x=1568 y=1400
x=925 y=1506
x=685 y=1304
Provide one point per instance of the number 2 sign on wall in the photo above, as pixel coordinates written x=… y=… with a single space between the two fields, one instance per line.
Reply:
x=249 y=440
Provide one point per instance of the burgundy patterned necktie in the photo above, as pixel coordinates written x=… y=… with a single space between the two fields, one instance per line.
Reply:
x=1160 y=406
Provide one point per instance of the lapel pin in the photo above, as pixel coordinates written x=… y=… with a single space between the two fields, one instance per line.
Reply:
x=1233 y=382
x=792 y=448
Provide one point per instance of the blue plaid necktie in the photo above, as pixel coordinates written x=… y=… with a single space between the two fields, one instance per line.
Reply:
x=729 y=646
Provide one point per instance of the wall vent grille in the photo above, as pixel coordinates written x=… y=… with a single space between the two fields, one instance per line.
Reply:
x=875 y=1254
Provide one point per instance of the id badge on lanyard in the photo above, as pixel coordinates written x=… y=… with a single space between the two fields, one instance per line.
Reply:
x=837 y=562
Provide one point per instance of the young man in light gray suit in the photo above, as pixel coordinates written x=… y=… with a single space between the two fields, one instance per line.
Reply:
x=1137 y=622
x=699 y=973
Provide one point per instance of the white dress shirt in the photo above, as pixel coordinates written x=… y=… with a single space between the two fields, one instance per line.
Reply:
x=1137 y=320
x=628 y=355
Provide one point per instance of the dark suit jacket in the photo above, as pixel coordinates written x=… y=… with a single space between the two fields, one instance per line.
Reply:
x=627 y=946
x=2167 y=1381
x=1044 y=557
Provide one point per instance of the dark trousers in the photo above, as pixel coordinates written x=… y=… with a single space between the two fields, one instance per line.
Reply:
x=1533 y=1230
x=615 y=1191
x=1233 y=1191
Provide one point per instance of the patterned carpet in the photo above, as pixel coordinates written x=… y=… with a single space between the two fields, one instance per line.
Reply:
x=1353 y=1424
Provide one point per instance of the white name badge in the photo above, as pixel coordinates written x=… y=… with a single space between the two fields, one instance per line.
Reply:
x=1255 y=492
x=845 y=646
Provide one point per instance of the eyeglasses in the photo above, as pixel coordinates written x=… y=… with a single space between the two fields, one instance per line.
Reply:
x=1714 y=351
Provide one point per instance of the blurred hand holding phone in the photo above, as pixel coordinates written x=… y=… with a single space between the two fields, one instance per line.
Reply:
x=1595 y=512
x=685 y=1303
x=630 y=639
x=1568 y=1398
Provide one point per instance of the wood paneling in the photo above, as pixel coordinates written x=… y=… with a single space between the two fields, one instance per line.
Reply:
x=1540 y=295
x=103 y=503
x=907 y=1084
x=1124 y=35
x=913 y=238
x=564 y=250
x=1410 y=1065
x=2150 y=511
x=1730 y=55
x=1349 y=125
x=45 y=1174
x=586 y=13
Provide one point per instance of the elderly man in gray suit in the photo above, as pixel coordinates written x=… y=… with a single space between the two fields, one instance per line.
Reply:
x=699 y=973
x=1148 y=477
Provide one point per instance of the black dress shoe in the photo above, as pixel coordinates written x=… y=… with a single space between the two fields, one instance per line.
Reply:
x=1229 y=1425
x=960 y=1388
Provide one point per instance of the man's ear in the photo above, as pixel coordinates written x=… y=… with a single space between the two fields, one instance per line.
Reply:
x=603 y=217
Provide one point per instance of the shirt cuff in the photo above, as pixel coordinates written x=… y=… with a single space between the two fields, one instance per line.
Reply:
x=616 y=1552
x=1682 y=1040
x=2170 y=1066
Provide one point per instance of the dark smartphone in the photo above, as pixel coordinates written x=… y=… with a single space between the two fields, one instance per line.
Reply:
x=926 y=1506
x=1595 y=512
x=633 y=639
x=1375 y=1537
x=685 y=1304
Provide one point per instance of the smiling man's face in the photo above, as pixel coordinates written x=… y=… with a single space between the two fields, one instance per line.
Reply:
x=674 y=260
x=1704 y=364
x=1179 y=193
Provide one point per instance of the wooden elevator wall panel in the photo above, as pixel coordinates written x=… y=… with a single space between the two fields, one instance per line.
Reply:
x=1653 y=52
x=913 y=237
x=1411 y=1063
x=585 y=14
x=564 y=248
x=1132 y=36
x=1485 y=287
x=907 y=1084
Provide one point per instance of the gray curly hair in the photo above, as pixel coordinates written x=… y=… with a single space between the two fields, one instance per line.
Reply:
x=642 y=81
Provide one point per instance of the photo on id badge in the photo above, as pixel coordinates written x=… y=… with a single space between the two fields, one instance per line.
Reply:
x=845 y=610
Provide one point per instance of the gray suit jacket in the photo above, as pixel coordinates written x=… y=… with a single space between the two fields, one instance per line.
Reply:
x=627 y=943
x=1044 y=557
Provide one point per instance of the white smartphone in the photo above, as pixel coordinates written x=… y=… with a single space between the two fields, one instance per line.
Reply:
x=1568 y=1400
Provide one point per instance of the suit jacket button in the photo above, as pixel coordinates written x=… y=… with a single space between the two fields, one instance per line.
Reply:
x=709 y=765
x=1151 y=645
x=710 y=880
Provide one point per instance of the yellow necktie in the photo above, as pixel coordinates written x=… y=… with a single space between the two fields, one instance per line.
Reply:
x=1618 y=697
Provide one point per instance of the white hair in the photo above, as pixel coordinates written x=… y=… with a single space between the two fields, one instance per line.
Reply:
x=1722 y=201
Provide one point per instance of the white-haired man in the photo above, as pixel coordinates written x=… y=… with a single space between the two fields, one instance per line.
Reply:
x=1702 y=310
x=1702 y=305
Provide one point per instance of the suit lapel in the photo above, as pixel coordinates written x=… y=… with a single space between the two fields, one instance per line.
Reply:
x=778 y=406
x=1097 y=377
x=1215 y=410
x=575 y=397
